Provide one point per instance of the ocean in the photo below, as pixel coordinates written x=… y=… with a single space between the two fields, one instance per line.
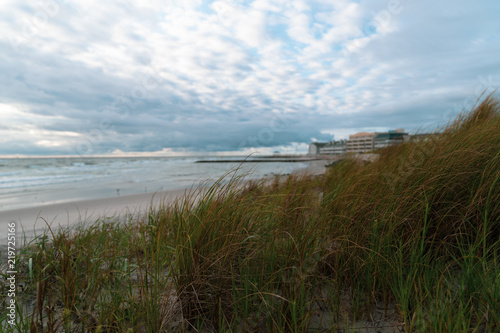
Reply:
x=33 y=182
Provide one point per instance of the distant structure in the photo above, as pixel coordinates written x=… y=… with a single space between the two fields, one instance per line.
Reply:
x=390 y=138
x=315 y=147
x=359 y=143
x=364 y=142
x=334 y=148
x=328 y=148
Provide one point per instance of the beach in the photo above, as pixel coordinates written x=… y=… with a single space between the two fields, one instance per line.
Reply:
x=85 y=201
x=347 y=251
x=35 y=221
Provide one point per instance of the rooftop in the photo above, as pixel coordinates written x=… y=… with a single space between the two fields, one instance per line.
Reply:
x=357 y=135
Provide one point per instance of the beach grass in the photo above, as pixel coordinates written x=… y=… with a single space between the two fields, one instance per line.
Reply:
x=409 y=242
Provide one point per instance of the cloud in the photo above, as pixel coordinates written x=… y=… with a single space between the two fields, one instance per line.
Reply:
x=155 y=76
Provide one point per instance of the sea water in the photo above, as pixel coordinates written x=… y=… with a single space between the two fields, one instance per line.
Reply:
x=32 y=182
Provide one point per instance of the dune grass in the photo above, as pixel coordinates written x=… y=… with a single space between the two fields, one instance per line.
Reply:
x=413 y=237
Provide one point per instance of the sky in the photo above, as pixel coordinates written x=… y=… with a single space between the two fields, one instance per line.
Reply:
x=167 y=77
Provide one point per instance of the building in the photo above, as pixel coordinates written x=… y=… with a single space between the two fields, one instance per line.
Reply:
x=328 y=148
x=315 y=147
x=364 y=142
x=334 y=148
x=361 y=142
x=390 y=138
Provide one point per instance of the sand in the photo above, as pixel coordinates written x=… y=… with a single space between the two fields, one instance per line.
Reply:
x=317 y=167
x=34 y=221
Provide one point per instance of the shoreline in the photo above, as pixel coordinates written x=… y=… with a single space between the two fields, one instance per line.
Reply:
x=33 y=221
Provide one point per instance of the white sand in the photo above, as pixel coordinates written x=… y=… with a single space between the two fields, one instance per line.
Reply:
x=314 y=168
x=33 y=221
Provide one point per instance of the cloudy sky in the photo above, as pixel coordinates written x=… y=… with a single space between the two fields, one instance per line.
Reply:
x=164 y=77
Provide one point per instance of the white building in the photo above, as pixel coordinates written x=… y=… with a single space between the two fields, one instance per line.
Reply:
x=314 y=148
